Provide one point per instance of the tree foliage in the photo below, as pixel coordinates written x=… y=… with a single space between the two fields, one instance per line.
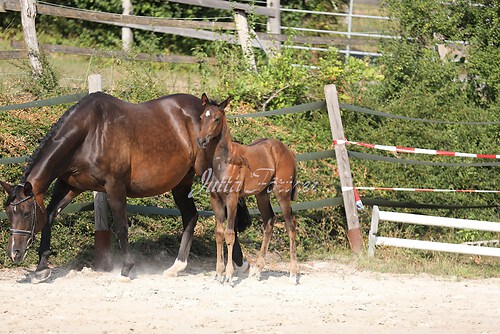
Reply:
x=422 y=26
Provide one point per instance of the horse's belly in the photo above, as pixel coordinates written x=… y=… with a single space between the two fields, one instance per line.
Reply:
x=155 y=181
x=83 y=181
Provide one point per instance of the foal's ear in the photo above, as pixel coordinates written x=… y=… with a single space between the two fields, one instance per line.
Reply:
x=7 y=187
x=204 y=99
x=224 y=103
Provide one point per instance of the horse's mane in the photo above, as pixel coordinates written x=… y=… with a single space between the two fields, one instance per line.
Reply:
x=34 y=156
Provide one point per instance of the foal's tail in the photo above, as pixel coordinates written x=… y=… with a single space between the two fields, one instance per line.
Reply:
x=243 y=219
x=294 y=193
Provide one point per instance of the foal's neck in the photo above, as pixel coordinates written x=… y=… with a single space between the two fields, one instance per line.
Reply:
x=224 y=144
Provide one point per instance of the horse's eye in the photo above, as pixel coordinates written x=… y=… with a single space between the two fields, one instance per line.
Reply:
x=216 y=119
x=27 y=215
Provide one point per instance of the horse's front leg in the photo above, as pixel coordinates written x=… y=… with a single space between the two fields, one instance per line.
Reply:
x=219 y=212
x=62 y=196
x=117 y=201
x=189 y=214
x=229 y=233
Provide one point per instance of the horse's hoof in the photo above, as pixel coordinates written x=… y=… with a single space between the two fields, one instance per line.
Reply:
x=243 y=268
x=254 y=272
x=41 y=276
x=169 y=273
x=175 y=268
x=293 y=279
x=221 y=278
x=231 y=281
x=125 y=272
x=124 y=279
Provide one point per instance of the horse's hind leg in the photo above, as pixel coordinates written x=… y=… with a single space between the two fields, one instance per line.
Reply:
x=117 y=201
x=189 y=214
x=291 y=227
x=61 y=196
x=269 y=219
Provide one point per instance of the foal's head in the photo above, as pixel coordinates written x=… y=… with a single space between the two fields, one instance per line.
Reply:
x=211 y=119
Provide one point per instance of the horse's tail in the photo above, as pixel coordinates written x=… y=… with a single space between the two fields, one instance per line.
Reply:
x=243 y=219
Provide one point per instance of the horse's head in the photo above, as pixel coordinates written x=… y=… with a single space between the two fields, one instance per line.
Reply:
x=25 y=215
x=211 y=120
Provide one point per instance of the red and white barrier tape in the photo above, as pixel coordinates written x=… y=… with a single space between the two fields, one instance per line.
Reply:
x=423 y=190
x=403 y=149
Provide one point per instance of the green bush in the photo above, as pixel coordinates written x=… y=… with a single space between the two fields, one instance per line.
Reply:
x=288 y=79
x=413 y=58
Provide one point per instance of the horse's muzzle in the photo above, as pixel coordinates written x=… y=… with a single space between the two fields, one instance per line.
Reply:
x=15 y=249
x=202 y=142
x=17 y=256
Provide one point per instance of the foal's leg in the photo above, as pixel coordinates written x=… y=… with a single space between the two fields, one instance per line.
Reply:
x=268 y=218
x=229 y=233
x=291 y=227
x=220 y=215
x=284 y=191
x=189 y=214
x=61 y=196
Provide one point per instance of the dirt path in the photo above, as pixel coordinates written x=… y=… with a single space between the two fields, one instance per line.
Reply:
x=330 y=298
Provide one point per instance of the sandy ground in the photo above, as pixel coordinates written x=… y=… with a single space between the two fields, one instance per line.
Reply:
x=330 y=298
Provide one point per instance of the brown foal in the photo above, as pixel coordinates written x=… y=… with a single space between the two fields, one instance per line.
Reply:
x=260 y=168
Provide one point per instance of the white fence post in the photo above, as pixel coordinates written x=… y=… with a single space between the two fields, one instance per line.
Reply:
x=372 y=235
x=102 y=241
x=349 y=30
x=354 y=229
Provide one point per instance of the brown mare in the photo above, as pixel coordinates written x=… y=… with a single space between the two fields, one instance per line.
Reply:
x=260 y=168
x=123 y=149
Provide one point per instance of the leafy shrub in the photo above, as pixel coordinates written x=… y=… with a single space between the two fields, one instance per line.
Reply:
x=288 y=79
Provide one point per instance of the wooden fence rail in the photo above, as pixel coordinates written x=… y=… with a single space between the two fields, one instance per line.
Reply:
x=230 y=5
x=101 y=17
x=74 y=50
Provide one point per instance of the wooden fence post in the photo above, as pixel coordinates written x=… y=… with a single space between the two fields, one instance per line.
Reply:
x=28 y=15
x=240 y=18
x=354 y=229
x=274 y=22
x=127 y=36
x=102 y=241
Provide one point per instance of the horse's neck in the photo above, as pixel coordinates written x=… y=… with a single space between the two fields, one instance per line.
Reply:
x=50 y=160
x=39 y=177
